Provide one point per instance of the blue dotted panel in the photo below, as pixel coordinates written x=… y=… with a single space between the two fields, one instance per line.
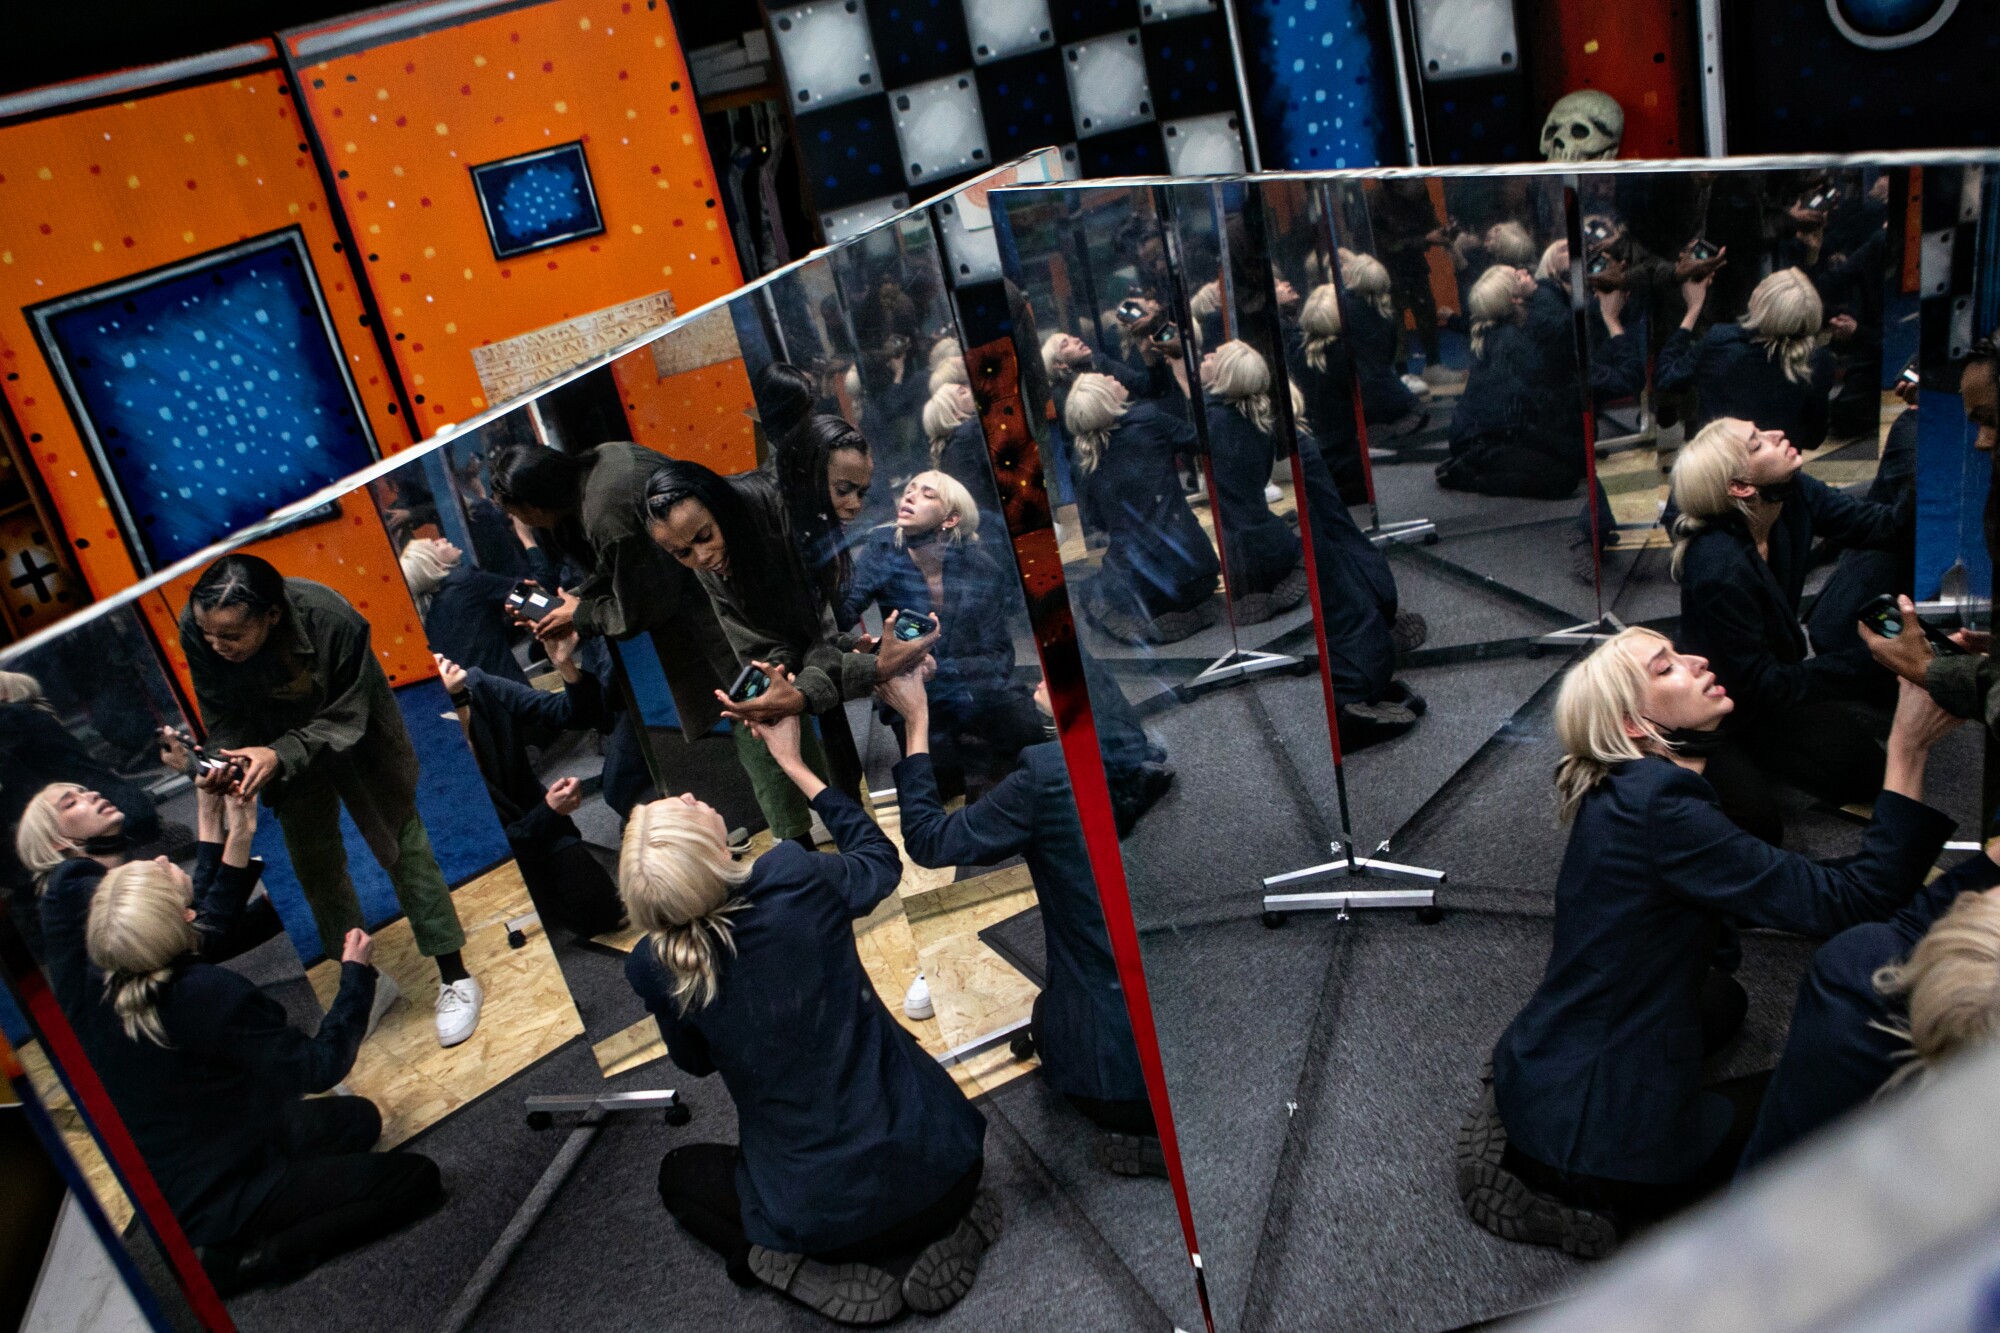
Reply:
x=1314 y=82
x=537 y=201
x=215 y=393
x=851 y=154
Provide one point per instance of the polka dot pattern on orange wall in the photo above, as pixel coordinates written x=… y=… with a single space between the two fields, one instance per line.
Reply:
x=408 y=120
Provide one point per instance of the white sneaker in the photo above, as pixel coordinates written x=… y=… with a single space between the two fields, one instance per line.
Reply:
x=1272 y=494
x=917 y=999
x=1417 y=385
x=458 y=1010
x=387 y=992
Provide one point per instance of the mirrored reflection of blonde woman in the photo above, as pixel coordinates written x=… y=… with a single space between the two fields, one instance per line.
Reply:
x=1599 y=1122
x=855 y=1146
x=213 y=1082
x=1771 y=367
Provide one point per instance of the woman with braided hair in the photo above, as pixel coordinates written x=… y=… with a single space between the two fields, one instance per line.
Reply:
x=856 y=1146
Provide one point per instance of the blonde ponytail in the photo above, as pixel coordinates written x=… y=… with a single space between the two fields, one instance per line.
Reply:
x=678 y=881
x=138 y=929
x=1699 y=484
x=1785 y=318
x=1952 y=984
x=1091 y=414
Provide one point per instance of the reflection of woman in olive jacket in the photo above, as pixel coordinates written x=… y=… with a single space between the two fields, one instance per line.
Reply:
x=289 y=684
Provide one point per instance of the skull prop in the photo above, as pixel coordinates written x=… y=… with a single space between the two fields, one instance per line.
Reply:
x=1585 y=126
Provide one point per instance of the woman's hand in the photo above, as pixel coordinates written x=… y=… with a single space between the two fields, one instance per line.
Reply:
x=1841 y=327
x=781 y=738
x=1694 y=291
x=1909 y=654
x=780 y=699
x=173 y=754
x=1975 y=641
x=896 y=656
x=239 y=815
x=565 y=797
x=259 y=766
x=905 y=693
x=1687 y=266
x=359 y=948
x=1611 y=305
x=561 y=649
x=1919 y=723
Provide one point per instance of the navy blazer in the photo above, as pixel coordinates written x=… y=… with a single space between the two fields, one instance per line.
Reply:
x=1085 y=1032
x=1159 y=559
x=1506 y=398
x=1600 y=1072
x=1261 y=547
x=203 y=1109
x=847 y=1126
x=466 y=621
x=1741 y=611
x=1329 y=398
x=1357 y=589
x=1835 y=1056
x=1384 y=396
x=1735 y=377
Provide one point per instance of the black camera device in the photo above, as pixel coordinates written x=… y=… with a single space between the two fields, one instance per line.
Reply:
x=1882 y=615
x=531 y=601
x=908 y=626
x=750 y=682
x=1702 y=250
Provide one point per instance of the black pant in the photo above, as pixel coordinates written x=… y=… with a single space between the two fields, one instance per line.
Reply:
x=1631 y=1205
x=1744 y=793
x=698 y=1186
x=335 y=1194
x=1120 y=1117
x=1833 y=749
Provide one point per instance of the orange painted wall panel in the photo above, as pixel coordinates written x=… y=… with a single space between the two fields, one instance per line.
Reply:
x=696 y=414
x=350 y=554
x=96 y=195
x=405 y=122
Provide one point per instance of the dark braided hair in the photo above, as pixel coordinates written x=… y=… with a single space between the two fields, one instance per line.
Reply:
x=801 y=464
x=763 y=571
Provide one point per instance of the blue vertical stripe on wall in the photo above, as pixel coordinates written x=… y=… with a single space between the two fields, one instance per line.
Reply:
x=1324 y=98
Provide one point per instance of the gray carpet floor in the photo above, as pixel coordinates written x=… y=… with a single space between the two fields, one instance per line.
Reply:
x=1102 y=1249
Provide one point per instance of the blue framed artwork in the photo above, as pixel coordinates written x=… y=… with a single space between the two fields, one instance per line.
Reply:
x=537 y=200
x=209 y=392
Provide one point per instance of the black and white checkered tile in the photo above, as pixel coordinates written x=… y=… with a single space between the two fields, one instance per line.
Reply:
x=895 y=100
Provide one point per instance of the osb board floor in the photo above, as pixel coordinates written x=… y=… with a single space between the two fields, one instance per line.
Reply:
x=930 y=924
x=55 y=1100
x=527 y=1014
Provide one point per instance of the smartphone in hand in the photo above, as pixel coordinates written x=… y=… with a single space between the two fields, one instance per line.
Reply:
x=1882 y=615
x=750 y=682
x=531 y=601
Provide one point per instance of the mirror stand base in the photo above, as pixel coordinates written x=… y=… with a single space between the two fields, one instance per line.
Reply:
x=1239 y=664
x=1419 y=889
x=1408 y=532
x=1581 y=636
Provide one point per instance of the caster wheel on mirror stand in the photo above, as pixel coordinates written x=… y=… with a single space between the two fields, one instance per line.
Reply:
x=1431 y=915
x=1023 y=1046
x=677 y=1115
x=516 y=940
x=1273 y=920
x=540 y=1120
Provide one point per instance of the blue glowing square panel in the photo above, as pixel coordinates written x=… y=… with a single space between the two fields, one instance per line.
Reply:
x=209 y=393
x=537 y=200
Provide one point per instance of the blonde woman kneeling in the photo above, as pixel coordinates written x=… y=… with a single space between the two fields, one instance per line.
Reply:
x=212 y=1081
x=1771 y=368
x=856 y=1145
x=1599 y=1122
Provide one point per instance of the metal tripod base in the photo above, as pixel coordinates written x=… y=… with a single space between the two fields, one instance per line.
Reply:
x=1241 y=664
x=1334 y=893
x=1406 y=532
x=1579 y=636
x=597 y=1107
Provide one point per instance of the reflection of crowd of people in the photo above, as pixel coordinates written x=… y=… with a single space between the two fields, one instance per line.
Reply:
x=1596 y=1121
